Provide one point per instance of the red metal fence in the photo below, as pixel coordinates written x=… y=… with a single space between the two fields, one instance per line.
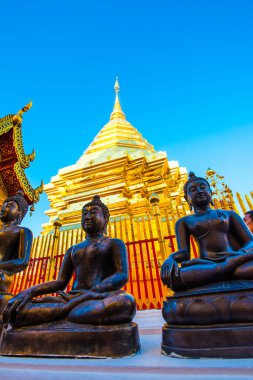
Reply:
x=144 y=272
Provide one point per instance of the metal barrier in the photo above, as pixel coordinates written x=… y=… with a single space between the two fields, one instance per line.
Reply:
x=144 y=271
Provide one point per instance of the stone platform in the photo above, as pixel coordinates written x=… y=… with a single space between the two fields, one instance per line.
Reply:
x=67 y=339
x=148 y=365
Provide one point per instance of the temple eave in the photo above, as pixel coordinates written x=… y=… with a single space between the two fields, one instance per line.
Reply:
x=13 y=159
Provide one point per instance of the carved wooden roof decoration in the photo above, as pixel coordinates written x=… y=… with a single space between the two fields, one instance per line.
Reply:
x=13 y=159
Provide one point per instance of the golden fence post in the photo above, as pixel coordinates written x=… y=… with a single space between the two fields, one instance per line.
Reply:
x=249 y=202
x=154 y=201
x=241 y=203
x=168 y=222
x=57 y=226
x=232 y=201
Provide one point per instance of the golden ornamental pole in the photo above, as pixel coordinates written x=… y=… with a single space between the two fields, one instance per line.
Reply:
x=154 y=201
x=168 y=222
x=241 y=202
x=57 y=226
x=231 y=199
x=249 y=202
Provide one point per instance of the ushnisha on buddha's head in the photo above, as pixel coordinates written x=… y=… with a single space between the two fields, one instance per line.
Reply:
x=197 y=191
x=95 y=216
x=14 y=209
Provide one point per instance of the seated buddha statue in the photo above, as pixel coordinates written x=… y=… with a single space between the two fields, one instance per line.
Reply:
x=100 y=269
x=225 y=243
x=211 y=312
x=15 y=241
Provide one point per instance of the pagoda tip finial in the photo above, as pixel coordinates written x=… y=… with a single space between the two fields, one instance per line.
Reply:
x=117 y=112
x=116 y=86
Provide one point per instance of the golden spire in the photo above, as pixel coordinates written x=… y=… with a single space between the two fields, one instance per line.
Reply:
x=117 y=112
x=117 y=135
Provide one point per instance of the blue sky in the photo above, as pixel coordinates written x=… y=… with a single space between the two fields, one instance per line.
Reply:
x=185 y=71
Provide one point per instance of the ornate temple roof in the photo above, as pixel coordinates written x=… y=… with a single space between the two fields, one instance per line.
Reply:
x=13 y=159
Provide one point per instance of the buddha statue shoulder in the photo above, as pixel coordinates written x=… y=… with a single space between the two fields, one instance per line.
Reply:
x=225 y=243
x=100 y=266
x=15 y=240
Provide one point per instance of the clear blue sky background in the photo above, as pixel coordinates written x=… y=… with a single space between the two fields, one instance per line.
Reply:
x=185 y=71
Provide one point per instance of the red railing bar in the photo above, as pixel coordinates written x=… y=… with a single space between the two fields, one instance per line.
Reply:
x=150 y=271
x=130 y=269
x=144 y=272
x=157 y=271
x=137 y=272
x=195 y=252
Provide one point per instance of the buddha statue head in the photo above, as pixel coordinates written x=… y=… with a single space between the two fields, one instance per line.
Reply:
x=14 y=209
x=197 y=191
x=95 y=216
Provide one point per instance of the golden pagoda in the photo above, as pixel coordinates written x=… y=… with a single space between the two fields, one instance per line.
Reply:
x=144 y=193
x=123 y=168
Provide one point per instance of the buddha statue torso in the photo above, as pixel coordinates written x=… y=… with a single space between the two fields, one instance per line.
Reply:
x=15 y=241
x=211 y=231
x=9 y=243
x=86 y=255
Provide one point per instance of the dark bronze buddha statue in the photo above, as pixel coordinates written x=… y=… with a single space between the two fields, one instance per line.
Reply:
x=100 y=268
x=15 y=241
x=99 y=264
x=225 y=244
x=213 y=297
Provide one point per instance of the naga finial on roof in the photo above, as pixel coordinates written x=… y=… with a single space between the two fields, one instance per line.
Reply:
x=17 y=119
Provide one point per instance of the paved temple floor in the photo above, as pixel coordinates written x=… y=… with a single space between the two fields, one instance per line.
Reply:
x=149 y=364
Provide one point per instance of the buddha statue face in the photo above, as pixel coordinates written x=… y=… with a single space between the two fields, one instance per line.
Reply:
x=10 y=212
x=14 y=209
x=95 y=216
x=93 y=220
x=198 y=193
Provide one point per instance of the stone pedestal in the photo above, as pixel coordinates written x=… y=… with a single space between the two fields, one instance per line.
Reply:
x=66 y=339
x=213 y=321
x=215 y=341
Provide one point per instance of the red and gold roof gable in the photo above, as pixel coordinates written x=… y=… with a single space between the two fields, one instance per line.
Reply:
x=13 y=159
